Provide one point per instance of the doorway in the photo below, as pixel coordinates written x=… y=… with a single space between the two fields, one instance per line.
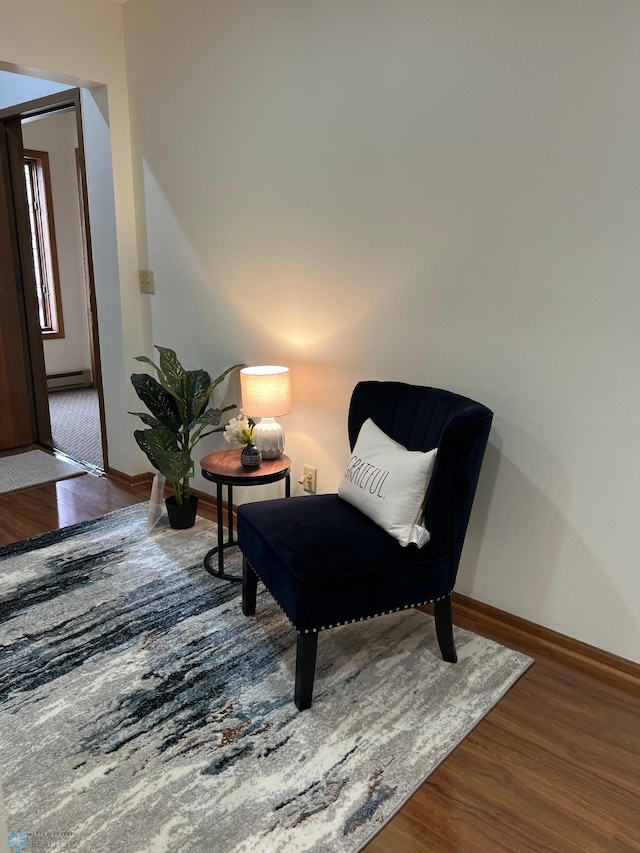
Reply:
x=47 y=153
x=58 y=236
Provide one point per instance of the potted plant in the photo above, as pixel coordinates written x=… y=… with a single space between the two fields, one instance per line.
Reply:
x=178 y=419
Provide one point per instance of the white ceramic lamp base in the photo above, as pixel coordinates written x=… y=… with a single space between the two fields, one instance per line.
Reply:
x=268 y=437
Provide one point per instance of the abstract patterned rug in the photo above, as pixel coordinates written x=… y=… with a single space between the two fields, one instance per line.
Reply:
x=141 y=711
x=32 y=468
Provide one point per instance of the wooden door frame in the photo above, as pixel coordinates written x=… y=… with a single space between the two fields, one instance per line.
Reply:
x=24 y=265
x=13 y=116
x=17 y=418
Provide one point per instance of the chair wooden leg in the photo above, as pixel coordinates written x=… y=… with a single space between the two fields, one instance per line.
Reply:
x=305 y=669
x=444 y=629
x=249 y=588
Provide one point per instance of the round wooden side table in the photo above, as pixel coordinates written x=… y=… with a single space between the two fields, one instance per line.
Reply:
x=224 y=469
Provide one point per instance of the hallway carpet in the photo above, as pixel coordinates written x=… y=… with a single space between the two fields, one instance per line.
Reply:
x=75 y=425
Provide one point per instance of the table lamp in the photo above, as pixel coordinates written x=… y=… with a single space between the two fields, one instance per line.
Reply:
x=266 y=394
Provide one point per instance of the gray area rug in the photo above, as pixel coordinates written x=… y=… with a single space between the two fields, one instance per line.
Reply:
x=32 y=469
x=141 y=711
x=75 y=424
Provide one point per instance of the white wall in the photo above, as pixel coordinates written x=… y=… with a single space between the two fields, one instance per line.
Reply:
x=80 y=43
x=435 y=191
x=56 y=134
x=17 y=88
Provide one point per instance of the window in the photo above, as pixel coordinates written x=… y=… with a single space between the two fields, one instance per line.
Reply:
x=43 y=242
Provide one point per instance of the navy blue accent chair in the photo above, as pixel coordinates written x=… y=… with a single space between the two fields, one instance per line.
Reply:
x=327 y=564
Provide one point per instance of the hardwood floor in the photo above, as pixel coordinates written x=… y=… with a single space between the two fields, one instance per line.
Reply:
x=555 y=766
x=52 y=505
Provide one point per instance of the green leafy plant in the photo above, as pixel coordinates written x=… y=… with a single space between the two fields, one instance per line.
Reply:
x=178 y=416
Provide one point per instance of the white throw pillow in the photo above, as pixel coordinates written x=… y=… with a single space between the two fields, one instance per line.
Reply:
x=388 y=483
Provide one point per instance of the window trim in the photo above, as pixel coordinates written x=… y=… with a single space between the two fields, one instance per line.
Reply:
x=47 y=241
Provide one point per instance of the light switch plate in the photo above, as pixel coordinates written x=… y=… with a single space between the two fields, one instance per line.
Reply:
x=147 y=284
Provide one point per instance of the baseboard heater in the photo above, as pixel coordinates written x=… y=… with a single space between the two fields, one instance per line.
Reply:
x=72 y=379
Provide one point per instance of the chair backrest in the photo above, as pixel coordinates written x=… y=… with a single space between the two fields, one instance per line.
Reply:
x=422 y=418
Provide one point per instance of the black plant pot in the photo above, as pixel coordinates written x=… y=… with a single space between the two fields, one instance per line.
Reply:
x=182 y=516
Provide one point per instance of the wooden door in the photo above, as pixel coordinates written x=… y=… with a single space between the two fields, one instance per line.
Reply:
x=17 y=417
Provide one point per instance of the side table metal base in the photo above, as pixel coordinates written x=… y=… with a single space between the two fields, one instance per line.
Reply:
x=224 y=469
x=217 y=573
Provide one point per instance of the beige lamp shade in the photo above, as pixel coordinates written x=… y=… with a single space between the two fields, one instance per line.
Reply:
x=266 y=391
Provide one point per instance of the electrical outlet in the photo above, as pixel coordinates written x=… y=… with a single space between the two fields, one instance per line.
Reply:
x=310 y=478
x=147 y=284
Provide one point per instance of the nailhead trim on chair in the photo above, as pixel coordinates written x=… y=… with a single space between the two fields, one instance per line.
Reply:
x=364 y=618
x=349 y=621
x=271 y=594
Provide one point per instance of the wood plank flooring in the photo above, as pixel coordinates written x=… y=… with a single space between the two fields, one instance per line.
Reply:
x=52 y=505
x=555 y=766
